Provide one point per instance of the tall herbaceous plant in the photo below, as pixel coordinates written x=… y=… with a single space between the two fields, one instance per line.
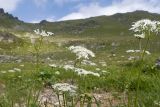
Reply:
x=37 y=41
x=144 y=29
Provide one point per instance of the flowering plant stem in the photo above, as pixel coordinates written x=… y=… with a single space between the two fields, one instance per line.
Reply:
x=82 y=101
x=37 y=49
x=64 y=100
x=73 y=102
x=139 y=73
x=98 y=102
x=59 y=100
x=140 y=45
x=37 y=58
x=77 y=62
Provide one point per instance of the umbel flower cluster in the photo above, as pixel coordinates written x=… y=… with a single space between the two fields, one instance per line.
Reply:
x=139 y=36
x=43 y=33
x=145 y=27
x=80 y=71
x=81 y=52
x=137 y=51
x=64 y=87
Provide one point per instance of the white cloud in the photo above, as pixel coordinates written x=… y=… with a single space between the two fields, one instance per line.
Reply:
x=51 y=19
x=117 y=6
x=35 y=21
x=9 y=5
x=62 y=2
x=41 y=3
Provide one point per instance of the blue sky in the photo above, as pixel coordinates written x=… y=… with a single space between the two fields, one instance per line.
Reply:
x=58 y=10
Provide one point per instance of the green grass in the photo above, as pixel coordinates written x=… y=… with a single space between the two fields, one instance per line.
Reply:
x=97 y=34
x=121 y=75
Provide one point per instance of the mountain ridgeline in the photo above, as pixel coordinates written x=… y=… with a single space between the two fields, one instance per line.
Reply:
x=114 y=25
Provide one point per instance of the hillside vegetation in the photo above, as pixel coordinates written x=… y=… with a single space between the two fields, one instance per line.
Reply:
x=101 y=26
x=94 y=62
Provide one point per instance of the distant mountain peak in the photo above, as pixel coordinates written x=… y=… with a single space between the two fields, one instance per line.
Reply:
x=141 y=11
x=1 y=11
x=43 y=21
x=7 y=15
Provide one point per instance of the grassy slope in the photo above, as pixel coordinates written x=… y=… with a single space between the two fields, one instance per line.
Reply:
x=115 y=25
x=97 y=31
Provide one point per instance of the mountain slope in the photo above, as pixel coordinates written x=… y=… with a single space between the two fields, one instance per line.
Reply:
x=114 y=25
x=7 y=20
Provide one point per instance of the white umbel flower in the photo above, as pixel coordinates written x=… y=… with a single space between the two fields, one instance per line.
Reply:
x=139 y=36
x=147 y=52
x=157 y=23
x=68 y=67
x=57 y=73
x=130 y=51
x=37 y=31
x=3 y=72
x=157 y=103
x=50 y=33
x=80 y=71
x=86 y=62
x=43 y=33
x=144 y=25
x=85 y=72
x=17 y=69
x=81 y=52
x=11 y=71
x=138 y=51
x=53 y=65
x=64 y=87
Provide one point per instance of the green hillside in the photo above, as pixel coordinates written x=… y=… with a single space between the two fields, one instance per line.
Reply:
x=114 y=25
x=99 y=56
x=99 y=26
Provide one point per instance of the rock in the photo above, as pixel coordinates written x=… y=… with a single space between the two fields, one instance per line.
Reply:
x=8 y=37
x=48 y=97
x=7 y=58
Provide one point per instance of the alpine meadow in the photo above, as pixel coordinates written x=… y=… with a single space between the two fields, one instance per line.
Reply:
x=98 y=61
